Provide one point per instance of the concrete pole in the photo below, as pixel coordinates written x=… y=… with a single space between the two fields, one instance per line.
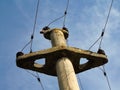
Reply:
x=57 y=38
x=58 y=58
x=65 y=71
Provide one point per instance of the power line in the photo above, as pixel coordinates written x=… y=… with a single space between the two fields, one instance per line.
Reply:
x=94 y=43
x=25 y=45
x=104 y=28
x=31 y=42
x=102 y=34
x=101 y=39
x=37 y=77
x=55 y=20
x=65 y=13
x=63 y=16
x=105 y=74
x=34 y=27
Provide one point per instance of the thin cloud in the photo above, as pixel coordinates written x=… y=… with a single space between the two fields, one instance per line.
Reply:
x=85 y=27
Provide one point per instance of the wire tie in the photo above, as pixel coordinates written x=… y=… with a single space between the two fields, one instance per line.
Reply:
x=31 y=51
x=102 y=34
x=32 y=37
x=38 y=79
x=105 y=74
x=65 y=12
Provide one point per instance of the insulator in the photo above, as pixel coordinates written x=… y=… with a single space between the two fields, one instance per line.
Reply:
x=19 y=54
x=32 y=36
x=31 y=51
x=38 y=79
x=100 y=51
x=65 y=28
x=46 y=28
x=65 y=12
x=102 y=34
x=105 y=74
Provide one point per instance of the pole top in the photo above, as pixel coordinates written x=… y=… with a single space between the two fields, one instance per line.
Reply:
x=46 y=31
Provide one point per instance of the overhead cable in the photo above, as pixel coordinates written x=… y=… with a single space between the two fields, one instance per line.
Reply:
x=63 y=16
x=104 y=28
x=37 y=77
x=106 y=76
x=34 y=26
x=65 y=13
x=103 y=31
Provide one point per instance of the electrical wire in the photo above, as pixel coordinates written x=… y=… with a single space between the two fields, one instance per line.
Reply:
x=31 y=73
x=101 y=39
x=31 y=42
x=37 y=77
x=106 y=23
x=65 y=13
x=104 y=28
x=25 y=45
x=34 y=27
x=105 y=74
x=94 y=43
x=63 y=16
x=55 y=20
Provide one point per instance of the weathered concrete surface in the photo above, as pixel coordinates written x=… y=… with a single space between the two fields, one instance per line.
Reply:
x=51 y=55
x=66 y=75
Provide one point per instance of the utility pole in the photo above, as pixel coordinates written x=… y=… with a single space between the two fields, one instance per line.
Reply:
x=65 y=71
x=61 y=60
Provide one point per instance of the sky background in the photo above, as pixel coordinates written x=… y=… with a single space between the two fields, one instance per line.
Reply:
x=85 y=21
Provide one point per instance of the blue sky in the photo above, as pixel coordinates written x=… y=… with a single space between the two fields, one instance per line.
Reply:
x=85 y=21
